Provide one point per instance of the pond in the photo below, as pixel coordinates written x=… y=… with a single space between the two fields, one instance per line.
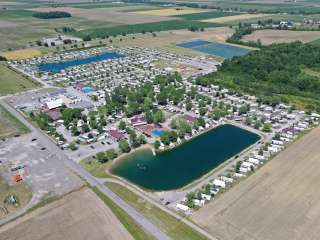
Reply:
x=213 y=48
x=57 y=67
x=178 y=167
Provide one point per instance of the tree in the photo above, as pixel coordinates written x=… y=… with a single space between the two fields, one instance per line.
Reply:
x=141 y=139
x=122 y=125
x=158 y=117
x=165 y=138
x=124 y=146
x=156 y=144
x=173 y=136
x=73 y=146
x=267 y=127
x=111 y=154
x=188 y=105
x=101 y=157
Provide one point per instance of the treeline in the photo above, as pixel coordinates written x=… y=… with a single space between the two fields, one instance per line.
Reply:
x=50 y=15
x=275 y=73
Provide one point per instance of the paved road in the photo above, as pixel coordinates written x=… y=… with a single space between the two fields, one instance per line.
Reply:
x=140 y=219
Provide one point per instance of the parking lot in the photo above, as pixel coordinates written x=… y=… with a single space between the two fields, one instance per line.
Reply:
x=24 y=159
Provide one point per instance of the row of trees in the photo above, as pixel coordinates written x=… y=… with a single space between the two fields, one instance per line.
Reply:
x=51 y=15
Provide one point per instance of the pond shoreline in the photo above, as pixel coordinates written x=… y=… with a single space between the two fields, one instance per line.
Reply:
x=220 y=160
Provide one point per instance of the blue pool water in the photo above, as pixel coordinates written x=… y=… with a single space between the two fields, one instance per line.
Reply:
x=218 y=49
x=57 y=67
x=87 y=90
x=157 y=132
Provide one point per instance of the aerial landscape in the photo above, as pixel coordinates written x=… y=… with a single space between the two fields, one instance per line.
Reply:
x=151 y=119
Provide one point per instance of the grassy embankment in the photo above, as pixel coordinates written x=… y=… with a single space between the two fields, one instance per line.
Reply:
x=170 y=225
x=133 y=228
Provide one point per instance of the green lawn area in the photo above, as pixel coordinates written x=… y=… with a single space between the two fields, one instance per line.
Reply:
x=173 y=227
x=133 y=228
x=20 y=190
x=95 y=168
x=9 y=125
x=12 y=82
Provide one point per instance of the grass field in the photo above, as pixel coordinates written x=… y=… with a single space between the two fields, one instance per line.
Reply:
x=241 y=17
x=133 y=228
x=171 y=11
x=174 y=228
x=12 y=82
x=280 y=201
x=20 y=190
x=22 y=54
x=78 y=215
x=268 y=37
x=9 y=125
x=95 y=168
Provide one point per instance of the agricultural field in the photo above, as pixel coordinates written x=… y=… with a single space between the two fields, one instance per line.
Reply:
x=208 y=15
x=171 y=11
x=83 y=216
x=109 y=15
x=143 y=28
x=280 y=197
x=12 y=82
x=269 y=36
x=241 y=17
x=22 y=54
x=20 y=191
x=9 y=125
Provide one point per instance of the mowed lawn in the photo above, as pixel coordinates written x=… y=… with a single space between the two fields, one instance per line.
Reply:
x=12 y=82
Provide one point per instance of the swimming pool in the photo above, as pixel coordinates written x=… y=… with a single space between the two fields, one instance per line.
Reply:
x=213 y=48
x=157 y=132
x=87 y=90
x=57 y=67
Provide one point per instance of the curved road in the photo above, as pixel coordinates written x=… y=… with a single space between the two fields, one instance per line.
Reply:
x=140 y=219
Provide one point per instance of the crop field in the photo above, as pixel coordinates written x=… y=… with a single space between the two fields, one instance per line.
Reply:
x=12 y=82
x=79 y=215
x=22 y=54
x=236 y=18
x=208 y=15
x=278 y=202
x=268 y=37
x=9 y=125
x=144 y=27
x=171 y=11
x=107 y=15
